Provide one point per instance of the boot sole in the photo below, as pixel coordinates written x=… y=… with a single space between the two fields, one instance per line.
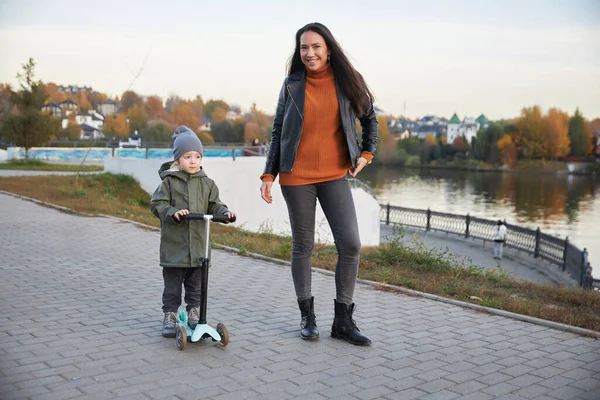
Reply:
x=309 y=337
x=342 y=337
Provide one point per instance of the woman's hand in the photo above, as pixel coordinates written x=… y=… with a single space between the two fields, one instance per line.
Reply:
x=179 y=213
x=265 y=192
x=360 y=164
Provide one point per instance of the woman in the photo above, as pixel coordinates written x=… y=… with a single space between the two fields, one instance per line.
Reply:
x=313 y=146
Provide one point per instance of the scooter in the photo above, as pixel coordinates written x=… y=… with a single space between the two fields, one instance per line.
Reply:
x=202 y=330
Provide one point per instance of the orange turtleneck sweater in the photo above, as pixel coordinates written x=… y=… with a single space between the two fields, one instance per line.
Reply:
x=322 y=153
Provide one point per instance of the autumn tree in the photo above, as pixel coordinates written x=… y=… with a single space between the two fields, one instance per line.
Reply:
x=171 y=102
x=508 y=150
x=206 y=138
x=580 y=135
x=529 y=137
x=386 y=145
x=29 y=127
x=53 y=94
x=116 y=125
x=72 y=131
x=264 y=123
x=219 y=114
x=154 y=108
x=84 y=103
x=184 y=114
x=460 y=144
x=251 y=132
x=138 y=118
x=486 y=142
x=198 y=105
x=556 y=127
x=212 y=105
x=595 y=125
x=128 y=99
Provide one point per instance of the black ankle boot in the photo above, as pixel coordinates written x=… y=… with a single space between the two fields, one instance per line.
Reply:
x=309 y=321
x=344 y=326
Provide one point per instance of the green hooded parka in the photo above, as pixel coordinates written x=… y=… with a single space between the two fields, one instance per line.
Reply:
x=182 y=244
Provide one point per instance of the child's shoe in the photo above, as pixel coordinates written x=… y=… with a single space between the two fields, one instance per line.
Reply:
x=193 y=317
x=169 y=325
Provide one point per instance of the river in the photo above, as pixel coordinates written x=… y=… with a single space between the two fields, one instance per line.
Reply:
x=560 y=205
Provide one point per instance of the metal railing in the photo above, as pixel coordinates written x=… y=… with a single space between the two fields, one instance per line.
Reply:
x=557 y=251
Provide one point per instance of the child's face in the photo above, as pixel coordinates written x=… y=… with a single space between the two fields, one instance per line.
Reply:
x=190 y=162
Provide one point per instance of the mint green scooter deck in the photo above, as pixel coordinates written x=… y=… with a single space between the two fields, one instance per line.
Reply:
x=201 y=329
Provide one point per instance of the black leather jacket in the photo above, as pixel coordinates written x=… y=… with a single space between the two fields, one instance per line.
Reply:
x=287 y=126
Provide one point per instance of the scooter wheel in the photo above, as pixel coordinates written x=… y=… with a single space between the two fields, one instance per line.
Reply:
x=222 y=331
x=181 y=338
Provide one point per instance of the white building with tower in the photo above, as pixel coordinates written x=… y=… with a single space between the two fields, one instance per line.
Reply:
x=467 y=128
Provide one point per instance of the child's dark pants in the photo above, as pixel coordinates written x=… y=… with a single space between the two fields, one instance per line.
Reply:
x=174 y=278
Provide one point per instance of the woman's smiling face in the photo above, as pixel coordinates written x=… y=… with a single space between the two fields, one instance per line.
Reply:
x=313 y=50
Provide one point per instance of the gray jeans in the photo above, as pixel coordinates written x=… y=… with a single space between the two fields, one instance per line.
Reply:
x=337 y=203
x=498 y=249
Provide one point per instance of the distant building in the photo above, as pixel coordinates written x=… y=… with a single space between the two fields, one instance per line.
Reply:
x=400 y=125
x=467 y=128
x=53 y=109
x=232 y=115
x=206 y=125
x=429 y=125
x=90 y=132
x=68 y=105
x=74 y=89
x=91 y=118
x=108 y=107
x=90 y=122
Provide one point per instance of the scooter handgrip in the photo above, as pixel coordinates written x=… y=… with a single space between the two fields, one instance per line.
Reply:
x=223 y=218
x=201 y=217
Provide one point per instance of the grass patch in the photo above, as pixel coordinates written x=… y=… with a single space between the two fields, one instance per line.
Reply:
x=410 y=265
x=37 y=165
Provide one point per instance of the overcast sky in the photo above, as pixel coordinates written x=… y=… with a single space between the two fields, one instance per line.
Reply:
x=419 y=57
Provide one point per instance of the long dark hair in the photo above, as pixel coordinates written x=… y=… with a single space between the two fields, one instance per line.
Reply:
x=351 y=82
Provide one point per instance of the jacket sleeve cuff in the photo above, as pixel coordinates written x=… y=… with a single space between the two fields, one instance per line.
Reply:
x=267 y=178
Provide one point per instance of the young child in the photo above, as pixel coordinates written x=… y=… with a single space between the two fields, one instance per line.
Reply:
x=185 y=189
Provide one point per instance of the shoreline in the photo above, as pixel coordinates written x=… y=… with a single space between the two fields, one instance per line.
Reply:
x=534 y=170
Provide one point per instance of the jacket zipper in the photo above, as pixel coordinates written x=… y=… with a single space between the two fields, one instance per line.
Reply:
x=287 y=86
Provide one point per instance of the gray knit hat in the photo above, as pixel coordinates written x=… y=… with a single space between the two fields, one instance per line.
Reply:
x=185 y=140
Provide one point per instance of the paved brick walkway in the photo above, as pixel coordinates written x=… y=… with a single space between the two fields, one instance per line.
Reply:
x=80 y=309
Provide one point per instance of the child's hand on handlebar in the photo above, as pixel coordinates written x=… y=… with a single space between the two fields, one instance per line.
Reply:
x=230 y=215
x=180 y=213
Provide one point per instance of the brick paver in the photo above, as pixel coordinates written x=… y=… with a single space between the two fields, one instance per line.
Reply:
x=80 y=307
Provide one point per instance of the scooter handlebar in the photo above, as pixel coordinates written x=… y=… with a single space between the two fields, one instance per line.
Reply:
x=214 y=217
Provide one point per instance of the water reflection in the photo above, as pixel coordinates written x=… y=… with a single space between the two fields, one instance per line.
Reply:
x=562 y=205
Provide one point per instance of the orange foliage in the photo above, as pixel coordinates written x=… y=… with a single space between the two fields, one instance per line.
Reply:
x=460 y=144
x=219 y=114
x=529 y=137
x=184 y=114
x=507 y=149
x=556 y=129
x=155 y=108
x=206 y=138
x=116 y=125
